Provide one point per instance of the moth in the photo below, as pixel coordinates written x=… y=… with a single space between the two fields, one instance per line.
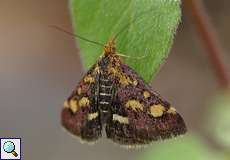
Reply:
x=112 y=96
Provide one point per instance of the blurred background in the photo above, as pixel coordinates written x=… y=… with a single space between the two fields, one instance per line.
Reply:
x=40 y=66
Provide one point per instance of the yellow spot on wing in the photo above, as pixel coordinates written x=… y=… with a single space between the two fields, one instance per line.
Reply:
x=73 y=105
x=79 y=91
x=121 y=119
x=157 y=110
x=112 y=70
x=124 y=80
x=84 y=102
x=135 y=82
x=92 y=116
x=66 y=104
x=89 y=79
x=97 y=69
x=134 y=104
x=172 y=110
x=146 y=94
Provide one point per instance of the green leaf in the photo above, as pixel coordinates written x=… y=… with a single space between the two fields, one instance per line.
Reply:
x=188 y=147
x=151 y=34
x=218 y=118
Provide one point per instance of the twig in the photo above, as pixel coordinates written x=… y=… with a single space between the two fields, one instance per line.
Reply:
x=209 y=37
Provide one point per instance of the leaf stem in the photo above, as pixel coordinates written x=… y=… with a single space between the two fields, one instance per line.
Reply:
x=210 y=39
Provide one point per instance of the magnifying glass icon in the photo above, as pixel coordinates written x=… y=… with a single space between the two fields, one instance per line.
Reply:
x=9 y=147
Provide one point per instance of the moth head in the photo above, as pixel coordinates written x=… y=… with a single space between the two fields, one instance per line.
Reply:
x=110 y=48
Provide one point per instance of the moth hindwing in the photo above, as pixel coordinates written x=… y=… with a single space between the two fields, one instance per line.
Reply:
x=111 y=94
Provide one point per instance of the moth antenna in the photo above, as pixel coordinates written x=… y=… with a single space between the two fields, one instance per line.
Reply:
x=122 y=55
x=75 y=35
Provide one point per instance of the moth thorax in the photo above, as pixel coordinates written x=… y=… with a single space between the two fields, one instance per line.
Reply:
x=110 y=48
